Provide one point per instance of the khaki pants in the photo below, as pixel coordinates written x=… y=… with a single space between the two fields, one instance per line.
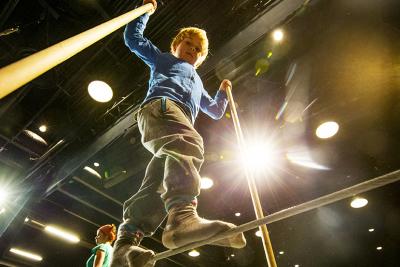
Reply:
x=172 y=175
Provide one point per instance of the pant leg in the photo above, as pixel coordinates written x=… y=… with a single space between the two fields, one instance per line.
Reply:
x=168 y=133
x=145 y=210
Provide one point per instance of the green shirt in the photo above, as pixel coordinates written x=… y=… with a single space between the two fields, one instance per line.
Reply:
x=107 y=259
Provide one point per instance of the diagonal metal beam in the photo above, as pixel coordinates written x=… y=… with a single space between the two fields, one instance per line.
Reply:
x=7 y=10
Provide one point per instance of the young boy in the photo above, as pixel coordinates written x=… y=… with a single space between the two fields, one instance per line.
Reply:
x=165 y=121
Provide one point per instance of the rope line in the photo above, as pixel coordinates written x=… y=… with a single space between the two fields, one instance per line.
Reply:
x=292 y=211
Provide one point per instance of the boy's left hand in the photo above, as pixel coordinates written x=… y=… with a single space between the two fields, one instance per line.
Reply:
x=225 y=84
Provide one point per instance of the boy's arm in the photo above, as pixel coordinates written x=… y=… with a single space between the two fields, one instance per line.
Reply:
x=137 y=43
x=215 y=108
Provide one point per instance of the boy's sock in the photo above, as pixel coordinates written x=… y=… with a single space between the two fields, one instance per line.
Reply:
x=127 y=252
x=184 y=226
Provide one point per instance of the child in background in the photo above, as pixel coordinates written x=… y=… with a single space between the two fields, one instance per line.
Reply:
x=165 y=120
x=102 y=253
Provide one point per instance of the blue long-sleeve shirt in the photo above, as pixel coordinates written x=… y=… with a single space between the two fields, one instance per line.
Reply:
x=172 y=77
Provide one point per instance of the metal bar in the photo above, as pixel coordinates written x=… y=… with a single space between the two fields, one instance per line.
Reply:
x=96 y=190
x=292 y=211
x=269 y=253
x=87 y=204
x=23 y=71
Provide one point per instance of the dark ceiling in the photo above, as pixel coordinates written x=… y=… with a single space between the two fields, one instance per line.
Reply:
x=340 y=60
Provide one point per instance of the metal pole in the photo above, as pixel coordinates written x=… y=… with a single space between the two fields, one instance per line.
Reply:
x=25 y=70
x=269 y=253
x=292 y=211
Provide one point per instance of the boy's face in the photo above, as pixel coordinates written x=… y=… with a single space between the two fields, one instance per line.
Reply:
x=189 y=50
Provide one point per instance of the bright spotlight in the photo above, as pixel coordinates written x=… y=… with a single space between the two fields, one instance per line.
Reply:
x=43 y=128
x=194 y=253
x=258 y=233
x=278 y=35
x=26 y=254
x=358 y=202
x=281 y=252
x=100 y=91
x=3 y=196
x=72 y=238
x=237 y=214
x=258 y=156
x=206 y=183
x=371 y=230
x=379 y=248
x=327 y=129
x=96 y=164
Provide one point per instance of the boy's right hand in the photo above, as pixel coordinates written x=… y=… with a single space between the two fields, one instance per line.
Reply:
x=154 y=2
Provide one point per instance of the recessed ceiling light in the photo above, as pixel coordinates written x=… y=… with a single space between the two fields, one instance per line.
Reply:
x=281 y=252
x=26 y=254
x=379 y=248
x=96 y=164
x=296 y=265
x=358 y=202
x=26 y=219
x=206 y=183
x=237 y=214
x=100 y=91
x=371 y=229
x=194 y=253
x=232 y=255
x=277 y=35
x=327 y=129
x=43 y=128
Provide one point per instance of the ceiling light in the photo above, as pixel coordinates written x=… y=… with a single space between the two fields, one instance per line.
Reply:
x=70 y=237
x=26 y=254
x=258 y=156
x=327 y=129
x=258 y=233
x=371 y=229
x=92 y=171
x=379 y=248
x=35 y=137
x=237 y=214
x=3 y=196
x=358 y=202
x=206 y=183
x=43 y=128
x=296 y=265
x=232 y=255
x=277 y=35
x=96 y=164
x=26 y=219
x=100 y=91
x=281 y=252
x=194 y=253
